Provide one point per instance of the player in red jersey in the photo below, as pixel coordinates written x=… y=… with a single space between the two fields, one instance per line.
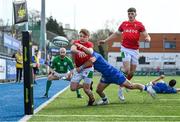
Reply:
x=80 y=58
x=130 y=31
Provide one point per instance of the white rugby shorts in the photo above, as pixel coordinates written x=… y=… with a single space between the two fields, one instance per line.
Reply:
x=85 y=74
x=129 y=55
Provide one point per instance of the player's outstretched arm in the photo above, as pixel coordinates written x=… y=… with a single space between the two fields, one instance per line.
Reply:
x=157 y=79
x=113 y=36
x=52 y=70
x=146 y=36
x=88 y=51
x=74 y=49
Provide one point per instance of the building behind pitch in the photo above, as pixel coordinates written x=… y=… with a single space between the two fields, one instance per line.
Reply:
x=162 y=53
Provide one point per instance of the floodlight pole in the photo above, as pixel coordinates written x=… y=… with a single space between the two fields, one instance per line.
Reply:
x=26 y=26
x=43 y=30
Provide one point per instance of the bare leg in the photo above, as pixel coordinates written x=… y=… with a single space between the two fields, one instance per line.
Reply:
x=100 y=89
x=149 y=89
x=87 y=90
x=131 y=72
x=129 y=85
x=75 y=85
x=126 y=68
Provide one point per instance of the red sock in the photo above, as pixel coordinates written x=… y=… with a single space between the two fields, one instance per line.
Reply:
x=129 y=77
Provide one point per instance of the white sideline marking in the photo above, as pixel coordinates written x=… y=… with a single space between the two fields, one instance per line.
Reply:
x=131 y=116
x=169 y=99
x=27 y=117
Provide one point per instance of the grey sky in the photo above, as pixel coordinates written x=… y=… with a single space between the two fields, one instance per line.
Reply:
x=160 y=16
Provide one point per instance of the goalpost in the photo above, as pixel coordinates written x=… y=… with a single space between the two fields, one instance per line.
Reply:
x=28 y=82
x=20 y=16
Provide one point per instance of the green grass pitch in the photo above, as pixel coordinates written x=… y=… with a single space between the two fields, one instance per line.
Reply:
x=138 y=106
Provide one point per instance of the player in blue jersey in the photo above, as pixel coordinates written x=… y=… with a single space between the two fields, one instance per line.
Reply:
x=110 y=75
x=160 y=86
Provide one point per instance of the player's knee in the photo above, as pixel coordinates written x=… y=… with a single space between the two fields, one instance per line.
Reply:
x=73 y=88
x=68 y=78
x=50 y=77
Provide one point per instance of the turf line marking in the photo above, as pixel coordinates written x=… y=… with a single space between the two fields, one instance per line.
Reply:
x=27 y=117
x=169 y=99
x=106 y=116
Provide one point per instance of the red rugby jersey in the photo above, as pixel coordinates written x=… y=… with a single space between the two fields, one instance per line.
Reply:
x=81 y=60
x=131 y=33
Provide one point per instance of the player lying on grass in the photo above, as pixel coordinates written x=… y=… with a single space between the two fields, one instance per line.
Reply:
x=110 y=75
x=160 y=86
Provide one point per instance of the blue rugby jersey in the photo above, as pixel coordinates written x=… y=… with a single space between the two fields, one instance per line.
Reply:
x=162 y=87
x=109 y=73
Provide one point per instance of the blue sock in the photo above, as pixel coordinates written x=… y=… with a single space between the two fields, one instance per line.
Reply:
x=104 y=99
x=145 y=88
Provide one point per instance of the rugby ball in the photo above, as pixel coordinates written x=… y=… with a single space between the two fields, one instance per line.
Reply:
x=60 y=41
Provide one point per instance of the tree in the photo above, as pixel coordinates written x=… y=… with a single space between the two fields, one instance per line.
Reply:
x=34 y=25
x=54 y=27
x=34 y=18
x=100 y=35
x=111 y=25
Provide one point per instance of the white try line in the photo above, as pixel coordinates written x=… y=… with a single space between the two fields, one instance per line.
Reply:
x=107 y=116
x=27 y=117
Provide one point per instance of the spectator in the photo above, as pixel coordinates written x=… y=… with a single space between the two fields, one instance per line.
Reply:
x=36 y=65
x=19 y=65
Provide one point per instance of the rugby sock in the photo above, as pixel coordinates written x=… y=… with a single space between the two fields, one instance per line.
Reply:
x=77 y=92
x=104 y=98
x=144 y=87
x=129 y=77
x=120 y=92
x=48 y=85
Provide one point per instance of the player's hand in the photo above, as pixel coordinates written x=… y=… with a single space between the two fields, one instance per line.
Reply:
x=53 y=72
x=82 y=54
x=101 y=42
x=79 y=45
x=148 y=39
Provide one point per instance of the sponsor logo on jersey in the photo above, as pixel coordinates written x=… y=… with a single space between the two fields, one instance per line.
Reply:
x=131 y=31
